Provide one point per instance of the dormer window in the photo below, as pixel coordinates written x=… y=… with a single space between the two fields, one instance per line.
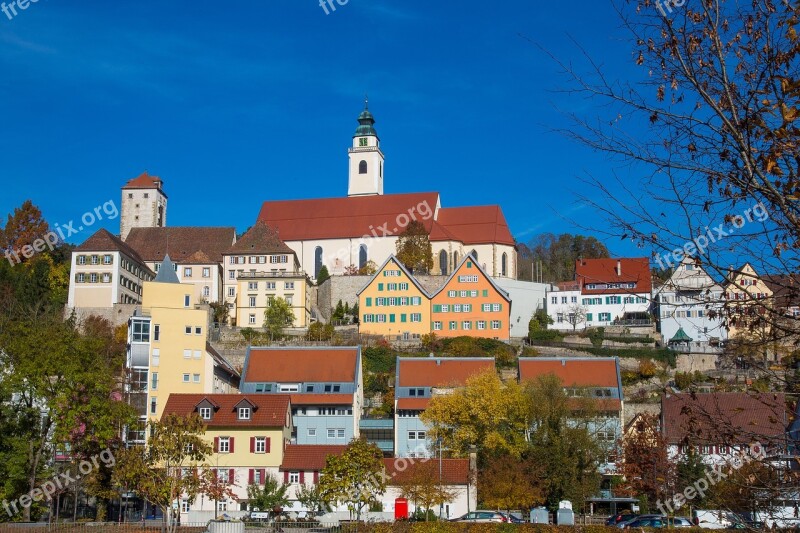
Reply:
x=205 y=413
x=244 y=413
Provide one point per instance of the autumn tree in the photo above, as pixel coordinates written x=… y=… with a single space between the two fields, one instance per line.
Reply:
x=217 y=488
x=485 y=412
x=353 y=478
x=369 y=268
x=269 y=498
x=278 y=316
x=414 y=248
x=422 y=485
x=166 y=469
x=507 y=482
x=311 y=498
x=646 y=468
x=23 y=227
x=551 y=258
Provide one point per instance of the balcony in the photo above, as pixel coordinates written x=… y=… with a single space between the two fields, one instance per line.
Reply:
x=271 y=274
x=357 y=149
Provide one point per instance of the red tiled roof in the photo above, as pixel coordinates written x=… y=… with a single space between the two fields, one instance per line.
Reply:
x=413 y=404
x=270 y=409
x=724 y=418
x=308 y=457
x=260 y=239
x=633 y=270
x=440 y=371
x=304 y=365
x=144 y=181
x=322 y=399
x=333 y=218
x=568 y=285
x=785 y=289
x=483 y=224
x=181 y=243
x=103 y=241
x=454 y=471
x=573 y=372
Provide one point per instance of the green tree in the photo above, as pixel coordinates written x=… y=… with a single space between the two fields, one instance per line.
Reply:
x=539 y=322
x=338 y=312
x=354 y=478
x=270 y=498
x=323 y=275
x=691 y=468
x=320 y=332
x=219 y=311
x=159 y=471
x=414 y=248
x=278 y=316
x=552 y=258
x=310 y=497
x=485 y=412
x=563 y=441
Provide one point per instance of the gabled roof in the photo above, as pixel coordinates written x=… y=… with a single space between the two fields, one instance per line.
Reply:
x=632 y=270
x=475 y=263
x=724 y=418
x=181 y=243
x=348 y=217
x=166 y=272
x=260 y=239
x=484 y=224
x=440 y=371
x=270 y=409
x=308 y=457
x=785 y=289
x=454 y=471
x=145 y=181
x=103 y=241
x=573 y=371
x=402 y=267
x=301 y=365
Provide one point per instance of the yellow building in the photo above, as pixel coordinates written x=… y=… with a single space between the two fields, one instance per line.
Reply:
x=259 y=268
x=748 y=297
x=248 y=432
x=168 y=350
x=394 y=304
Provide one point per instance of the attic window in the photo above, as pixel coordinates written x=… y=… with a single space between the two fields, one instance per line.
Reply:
x=205 y=413
x=244 y=413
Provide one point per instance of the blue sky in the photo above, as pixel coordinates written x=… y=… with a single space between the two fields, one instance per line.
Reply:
x=234 y=103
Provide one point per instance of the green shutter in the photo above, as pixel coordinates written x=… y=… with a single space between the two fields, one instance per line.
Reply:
x=469 y=264
x=403 y=317
x=437 y=308
x=391 y=318
x=588 y=317
x=369 y=302
x=485 y=293
x=380 y=286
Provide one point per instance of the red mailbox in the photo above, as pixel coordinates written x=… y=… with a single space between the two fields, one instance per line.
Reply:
x=401 y=509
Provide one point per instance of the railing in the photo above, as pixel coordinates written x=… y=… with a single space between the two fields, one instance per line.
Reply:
x=271 y=274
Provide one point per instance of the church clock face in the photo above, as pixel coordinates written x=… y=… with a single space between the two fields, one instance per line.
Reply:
x=362 y=141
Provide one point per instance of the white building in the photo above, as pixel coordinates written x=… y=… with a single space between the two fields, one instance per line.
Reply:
x=144 y=204
x=605 y=292
x=364 y=226
x=690 y=306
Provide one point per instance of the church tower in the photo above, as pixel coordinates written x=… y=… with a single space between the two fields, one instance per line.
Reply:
x=366 y=158
x=144 y=204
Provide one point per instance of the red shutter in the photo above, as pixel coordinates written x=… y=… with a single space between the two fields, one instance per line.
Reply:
x=316 y=477
x=231 y=476
x=268 y=444
x=216 y=444
x=251 y=476
x=286 y=476
x=231 y=441
x=252 y=444
x=263 y=475
x=302 y=477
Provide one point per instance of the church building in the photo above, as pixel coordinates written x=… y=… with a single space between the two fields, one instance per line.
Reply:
x=364 y=225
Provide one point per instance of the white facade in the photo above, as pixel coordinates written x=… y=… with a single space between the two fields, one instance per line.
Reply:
x=143 y=205
x=691 y=300
x=104 y=278
x=565 y=309
x=597 y=309
x=526 y=298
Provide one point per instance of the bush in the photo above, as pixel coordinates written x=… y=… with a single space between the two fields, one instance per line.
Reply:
x=378 y=359
x=629 y=377
x=596 y=336
x=662 y=354
x=546 y=335
x=320 y=332
x=685 y=380
x=647 y=368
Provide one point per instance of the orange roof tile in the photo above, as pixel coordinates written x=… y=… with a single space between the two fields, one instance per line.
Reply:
x=182 y=243
x=440 y=371
x=308 y=457
x=103 y=241
x=332 y=218
x=270 y=409
x=301 y=365
x=260 y=239
x=633 y=270
x=144 y=181
x=482 y=224
x=413 y=404
x=454 y=471
x=322 y=399
x=573 y=371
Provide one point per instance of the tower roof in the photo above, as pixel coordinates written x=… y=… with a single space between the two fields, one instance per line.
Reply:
x=166 y=272
x=366 y=123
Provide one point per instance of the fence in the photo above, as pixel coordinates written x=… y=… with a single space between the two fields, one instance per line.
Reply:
x=155 y=526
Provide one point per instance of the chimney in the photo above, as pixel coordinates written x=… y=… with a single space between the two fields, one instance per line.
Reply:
x=619 y=267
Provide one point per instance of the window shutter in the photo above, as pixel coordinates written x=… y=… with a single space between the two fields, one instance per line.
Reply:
x=302 y=477
x=316 y=477
x=286 y=476
x=231 y=444
x=251 y=476
x=231 y=476
x=268 y=444
x=216 y=444
x=252 y=444
x=263 y=472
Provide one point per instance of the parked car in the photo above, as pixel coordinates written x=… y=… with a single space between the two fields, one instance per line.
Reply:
x=680 y=521
x=622 y=523
x=620 y=517
x=646 y=521
x=482 y=516
x=514 y=519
